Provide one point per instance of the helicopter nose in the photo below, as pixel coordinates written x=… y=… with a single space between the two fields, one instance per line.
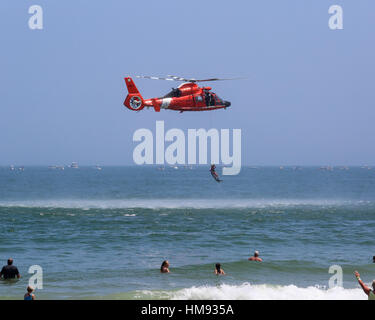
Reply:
x=227 y=103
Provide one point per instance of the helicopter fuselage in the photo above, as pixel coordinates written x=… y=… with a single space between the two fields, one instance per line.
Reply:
x=187 y=97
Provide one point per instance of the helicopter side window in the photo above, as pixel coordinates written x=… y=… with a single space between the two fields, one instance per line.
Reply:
x=211 y=100
x=198 y=99
x=207 y=98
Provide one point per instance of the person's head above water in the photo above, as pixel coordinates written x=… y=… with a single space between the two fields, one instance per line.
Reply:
x=164 y=265
x=30 y=289
x=10 y=261
x=255 y=257
x=218 y=267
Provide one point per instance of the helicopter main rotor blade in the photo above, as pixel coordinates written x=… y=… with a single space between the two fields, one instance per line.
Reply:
x=217 y=79
x=202 y=80
x=156 y=78
x=176 y=78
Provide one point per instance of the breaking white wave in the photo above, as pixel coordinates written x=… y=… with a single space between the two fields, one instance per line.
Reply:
x=247 y=291
x=181 y=203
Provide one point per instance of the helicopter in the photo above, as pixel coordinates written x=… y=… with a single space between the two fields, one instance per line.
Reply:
x=186 y=97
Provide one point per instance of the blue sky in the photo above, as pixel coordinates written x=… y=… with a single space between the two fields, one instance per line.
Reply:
x=308 y=98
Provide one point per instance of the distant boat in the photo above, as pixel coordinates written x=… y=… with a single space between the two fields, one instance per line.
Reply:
x=11 y=168
x=327 y=168
x=56 y=167
x=344 y=168
x=366 y=167
x=74 y=165
x=98 y=168
x=21 y=168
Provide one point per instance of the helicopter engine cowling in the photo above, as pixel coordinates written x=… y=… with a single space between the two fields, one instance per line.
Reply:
x=188 y=88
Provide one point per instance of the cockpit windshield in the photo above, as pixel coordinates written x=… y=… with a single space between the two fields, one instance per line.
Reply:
x=219 y=101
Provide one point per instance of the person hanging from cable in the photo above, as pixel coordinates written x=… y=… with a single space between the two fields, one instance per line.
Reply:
x=214 y=173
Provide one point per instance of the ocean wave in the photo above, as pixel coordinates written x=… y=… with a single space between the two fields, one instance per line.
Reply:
x=182 y=203
x=247 y=291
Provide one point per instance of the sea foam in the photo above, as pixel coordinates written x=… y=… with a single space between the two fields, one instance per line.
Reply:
x=180 y=203
x=247 y=291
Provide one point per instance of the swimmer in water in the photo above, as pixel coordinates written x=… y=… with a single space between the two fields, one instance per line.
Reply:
x=29 y=294
x=370 y=293
x=218 y=270
x=164 y=267
x=255 y=257
x=9 y=271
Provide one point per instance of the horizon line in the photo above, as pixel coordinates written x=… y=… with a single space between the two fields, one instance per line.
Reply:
x=184 y=165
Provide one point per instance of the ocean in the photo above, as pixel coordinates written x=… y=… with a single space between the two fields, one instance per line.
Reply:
x=103 y=234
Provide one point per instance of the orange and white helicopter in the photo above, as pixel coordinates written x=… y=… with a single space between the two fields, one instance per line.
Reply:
x=187 y=97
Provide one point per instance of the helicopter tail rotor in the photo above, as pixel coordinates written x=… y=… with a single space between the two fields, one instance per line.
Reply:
x=134 y=100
